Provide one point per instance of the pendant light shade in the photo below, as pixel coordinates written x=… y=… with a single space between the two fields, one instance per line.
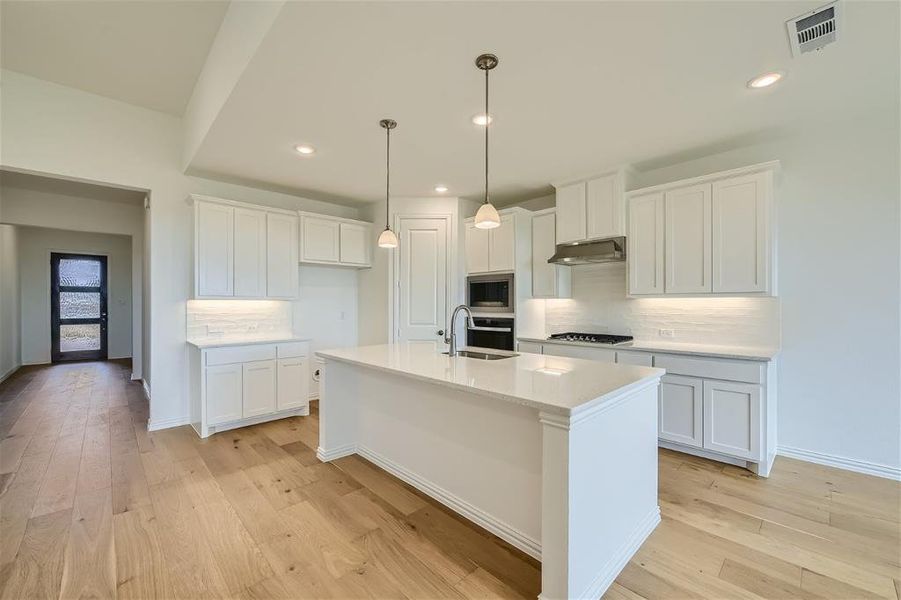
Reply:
x=487 y=216
x=387 y=239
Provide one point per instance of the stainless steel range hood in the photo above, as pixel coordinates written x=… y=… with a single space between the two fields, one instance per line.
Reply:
x=586 y=253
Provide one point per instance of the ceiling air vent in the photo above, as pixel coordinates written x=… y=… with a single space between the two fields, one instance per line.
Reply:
x=811 y=31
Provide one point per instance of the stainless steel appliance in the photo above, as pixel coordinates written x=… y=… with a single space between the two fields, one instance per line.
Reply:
x=490 y=333
x=490 y=293
x=586 y=253
x=592 y=338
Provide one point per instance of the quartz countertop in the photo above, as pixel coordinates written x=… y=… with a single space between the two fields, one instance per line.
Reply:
x=553 y=384
x=711 y=350
x=244 y=340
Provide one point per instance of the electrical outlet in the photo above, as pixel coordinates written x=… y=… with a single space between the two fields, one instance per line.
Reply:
x=666 y=333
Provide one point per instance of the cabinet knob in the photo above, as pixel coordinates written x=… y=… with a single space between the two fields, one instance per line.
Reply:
x=440 y=332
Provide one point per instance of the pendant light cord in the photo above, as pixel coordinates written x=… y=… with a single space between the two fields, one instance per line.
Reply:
x=387 y=176
x=487 y=125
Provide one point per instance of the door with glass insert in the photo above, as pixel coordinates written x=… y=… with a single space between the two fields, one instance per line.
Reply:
x=77 y=307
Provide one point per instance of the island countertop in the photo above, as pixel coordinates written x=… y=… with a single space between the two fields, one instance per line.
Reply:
x=553 y=384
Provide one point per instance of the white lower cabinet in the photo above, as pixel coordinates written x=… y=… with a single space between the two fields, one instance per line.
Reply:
x=680 y=410
x=732 y=418
x=293 y=383
x=224 y=384
x=235 y=386
x=531 y=347
x=259 y=388
x=601 y=354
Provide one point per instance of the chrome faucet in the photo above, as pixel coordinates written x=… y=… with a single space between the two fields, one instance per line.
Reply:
x=451 y=339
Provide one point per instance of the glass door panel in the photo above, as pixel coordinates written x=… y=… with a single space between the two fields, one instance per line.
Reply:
x=78 y=307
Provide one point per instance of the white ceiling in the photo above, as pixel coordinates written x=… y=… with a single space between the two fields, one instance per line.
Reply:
x=146 y=53
x=581 y=86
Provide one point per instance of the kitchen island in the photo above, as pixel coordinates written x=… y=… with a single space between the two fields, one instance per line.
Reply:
x=555 y=455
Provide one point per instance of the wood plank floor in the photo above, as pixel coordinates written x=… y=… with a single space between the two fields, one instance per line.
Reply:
x=92 y=505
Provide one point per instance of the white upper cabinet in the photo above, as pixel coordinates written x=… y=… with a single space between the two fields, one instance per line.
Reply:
x=645 y=244
x=250 y=253
x=281 y=256
x=687 y=254
x=502 y=245
x=333 y=240
x=548 y=281
x=214 y=235
x=717 y=236
x=320 y=240
x=355 y=243
x=741 y=233
x=571 y=226
x=477 y=244
x=243 y=250
x=604 y=209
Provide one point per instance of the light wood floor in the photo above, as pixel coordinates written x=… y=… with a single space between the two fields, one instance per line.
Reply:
x=91 y=505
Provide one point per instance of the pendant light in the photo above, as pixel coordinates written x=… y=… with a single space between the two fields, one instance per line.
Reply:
x=387 y=239
x=487 y=217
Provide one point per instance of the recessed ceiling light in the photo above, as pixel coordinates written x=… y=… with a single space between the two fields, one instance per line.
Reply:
x=765 y=80
x=440 y=188
x=481 y=119
x=305 y=149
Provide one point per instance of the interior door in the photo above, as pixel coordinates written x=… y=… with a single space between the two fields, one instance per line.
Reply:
x=422 y=279
x=78 y=317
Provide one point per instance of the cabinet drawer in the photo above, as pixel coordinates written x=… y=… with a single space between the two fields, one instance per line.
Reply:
x=712 y=368
x=642 y=359
x=293 y=350
x=239 y=354
x=601 y=354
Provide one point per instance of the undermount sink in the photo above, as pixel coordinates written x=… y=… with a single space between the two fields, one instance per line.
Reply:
x=482 y=355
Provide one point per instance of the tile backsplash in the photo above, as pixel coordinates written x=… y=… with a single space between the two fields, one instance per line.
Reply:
x=213 y=318
x=600 y=305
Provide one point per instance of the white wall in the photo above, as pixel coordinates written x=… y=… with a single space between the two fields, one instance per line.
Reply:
x=10 y=324
x=35 y=246
x=101 y=140
x=838 y=202
x=61 y=205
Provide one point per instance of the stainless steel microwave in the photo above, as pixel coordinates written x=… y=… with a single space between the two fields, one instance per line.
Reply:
x=490 y=293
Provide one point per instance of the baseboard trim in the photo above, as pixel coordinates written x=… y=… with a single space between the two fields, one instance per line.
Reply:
x=840 y=462
x=10 y=372
x=335 y=453
x=509 y=534
x=618 y=561
x=168 y=423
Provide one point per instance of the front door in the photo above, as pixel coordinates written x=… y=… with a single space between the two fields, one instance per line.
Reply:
x=422 y=282
x=77 y=307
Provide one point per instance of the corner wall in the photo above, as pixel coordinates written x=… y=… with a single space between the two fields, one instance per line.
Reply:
x=10 y=323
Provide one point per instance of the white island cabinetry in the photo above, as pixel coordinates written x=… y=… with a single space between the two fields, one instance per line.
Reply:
x=233 y=384
x=528 y=447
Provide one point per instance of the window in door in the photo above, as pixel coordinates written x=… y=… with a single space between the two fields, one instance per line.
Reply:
x=78 y=314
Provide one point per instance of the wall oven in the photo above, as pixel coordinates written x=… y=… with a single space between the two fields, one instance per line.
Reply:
x=490 y=333
x=490 y=293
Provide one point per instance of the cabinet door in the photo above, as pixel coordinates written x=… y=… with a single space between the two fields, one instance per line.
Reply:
x=680 y=410
x=320 y=240
x=600 y=354
x=223 y=393
x=529 y=347
x=250 y=253
x=293 y=383
x=645 y=244
x=741 y=234
x=477 y=249
x=354 y=244
x=571 y=213
x=732 y=418
x=544 y=275
x=281 y=256
x=502 y=245
x=688 y=248
x=214 y=231
x=604 y=208
x=259 y=388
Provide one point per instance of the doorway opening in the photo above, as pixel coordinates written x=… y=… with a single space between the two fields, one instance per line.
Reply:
x=78 y=307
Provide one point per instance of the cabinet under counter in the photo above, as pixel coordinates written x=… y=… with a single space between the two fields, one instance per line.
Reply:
x=235 y=383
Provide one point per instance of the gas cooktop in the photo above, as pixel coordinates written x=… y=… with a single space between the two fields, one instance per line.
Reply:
x=593 y=338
